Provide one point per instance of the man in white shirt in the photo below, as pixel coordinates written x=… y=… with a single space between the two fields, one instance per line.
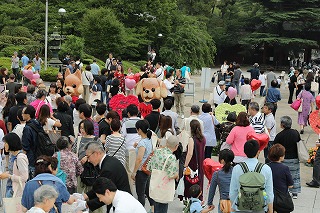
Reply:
x=109 y=62
x=123 y=202
x=195 y=110
x=169 y=85
x=219 y=93
x=159 y=71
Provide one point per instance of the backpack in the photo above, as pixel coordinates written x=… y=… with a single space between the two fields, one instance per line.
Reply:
x=60 y=173
x=186 y=209
x=251 y=196
x=44 y=145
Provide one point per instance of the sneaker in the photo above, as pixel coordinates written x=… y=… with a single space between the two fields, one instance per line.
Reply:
x=182 y=116
x=294 y=196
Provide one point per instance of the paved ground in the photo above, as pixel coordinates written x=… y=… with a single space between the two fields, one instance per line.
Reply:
x=309 y=199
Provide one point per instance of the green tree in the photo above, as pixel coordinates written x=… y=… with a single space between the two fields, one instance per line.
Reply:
x=73 y=45
x=188 y=41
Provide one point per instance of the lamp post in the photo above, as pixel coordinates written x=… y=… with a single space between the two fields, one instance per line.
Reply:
x=62 y=12
x=46 y=38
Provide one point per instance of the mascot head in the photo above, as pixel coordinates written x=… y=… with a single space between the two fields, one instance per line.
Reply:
x=73 y=83
x=151 y=88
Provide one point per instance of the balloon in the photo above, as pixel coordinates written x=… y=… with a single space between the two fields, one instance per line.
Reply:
x=318 y=101
x=36 y=76
x=136 y=77
x=255 y=84
x=130 y=83
x=262 y=139
x=28 y=74
x=232 y=93
x=33 y=82
x=314 y=120
x=209 y=167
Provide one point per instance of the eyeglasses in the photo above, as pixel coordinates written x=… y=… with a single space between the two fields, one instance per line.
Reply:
x=88 y=156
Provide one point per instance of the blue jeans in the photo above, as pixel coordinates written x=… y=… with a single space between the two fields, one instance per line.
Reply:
x=142 y=188
x=160 y=207
x=103 y=96
x=9 y=192
x=236 y=85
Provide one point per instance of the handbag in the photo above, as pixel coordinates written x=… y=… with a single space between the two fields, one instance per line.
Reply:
x=94 y=97
x=225 y=204
x=300 y=107
x=180 y=187
x=296 y=104
x=54 y=135
x=282 y=201
x=303 y=154
x=314 y=86
x=193 y=177
x=144 y=167
x=13 y=204
x=161 y=189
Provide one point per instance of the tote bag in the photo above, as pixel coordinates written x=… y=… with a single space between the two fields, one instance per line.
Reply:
x=13 y=204
x=162 y=189
x=296 y=104
x=302 y=152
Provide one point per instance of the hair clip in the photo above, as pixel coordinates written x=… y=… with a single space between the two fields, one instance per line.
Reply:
x=39 y=161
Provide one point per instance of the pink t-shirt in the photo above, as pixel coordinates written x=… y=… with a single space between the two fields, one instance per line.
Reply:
x=37 y=104
x=237 y=138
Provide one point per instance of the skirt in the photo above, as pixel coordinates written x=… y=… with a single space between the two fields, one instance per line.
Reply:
x=294 y=168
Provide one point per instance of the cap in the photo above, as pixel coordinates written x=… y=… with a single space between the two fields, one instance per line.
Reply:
x=256 y=65
x=221 y=83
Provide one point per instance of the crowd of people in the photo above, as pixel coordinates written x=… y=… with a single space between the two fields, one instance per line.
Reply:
x=100 y=158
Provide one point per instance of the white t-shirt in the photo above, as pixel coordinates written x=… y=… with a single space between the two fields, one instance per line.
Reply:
x=224 y=68
x=263 y=79
x=49 y=124
x=53 y=99
x=123 y=201
x=87 y=77
x=218 y=95
x=159 y=73
x=18 y=129
x=169 y=85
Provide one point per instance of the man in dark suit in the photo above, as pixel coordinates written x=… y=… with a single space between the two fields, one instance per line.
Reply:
x=108 y=167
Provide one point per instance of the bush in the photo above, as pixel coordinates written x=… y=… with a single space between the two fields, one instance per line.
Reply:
x=17 y=31
x=50 y=74
x=5 y=62
x=140 y=63
x=29 y=49
x=73 y=45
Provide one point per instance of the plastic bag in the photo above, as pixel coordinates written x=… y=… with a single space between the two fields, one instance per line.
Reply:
x=180 y=187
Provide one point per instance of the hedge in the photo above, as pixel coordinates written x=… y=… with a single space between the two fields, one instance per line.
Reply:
x=50 y=74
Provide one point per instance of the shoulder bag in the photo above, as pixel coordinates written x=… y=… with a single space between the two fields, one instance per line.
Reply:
x=13 y=204
x=162 y=188
x=193 y=176
x=225 y=205
x=282 y=201
x=303 y=154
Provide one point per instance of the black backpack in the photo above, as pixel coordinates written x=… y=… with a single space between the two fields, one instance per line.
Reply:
x=89 y=174
x=44 y=145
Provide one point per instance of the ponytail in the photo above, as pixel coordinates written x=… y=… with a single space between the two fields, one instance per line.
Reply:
x=144 y=126
x=228 y=157
x=149 y=133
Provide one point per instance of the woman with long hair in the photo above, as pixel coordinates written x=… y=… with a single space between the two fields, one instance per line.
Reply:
x=53 y=96
x=143 y=150
x=3 y=75
x=238 y=137
x=222 y=177
x=165 y=128
x=11 y=101
x=119 y=74
x=46 y=120
x=60 y=83
x=195 y=156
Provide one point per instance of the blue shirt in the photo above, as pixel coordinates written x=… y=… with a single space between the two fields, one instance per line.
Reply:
x=222 y=180
x=46 y=179
x=184 y=69
x=24 y=61
x=272 y=95
x=235 y=185
x=195 y=206
x=95 y=69
x=147 y=144
x=96 y=87
x=208 y=126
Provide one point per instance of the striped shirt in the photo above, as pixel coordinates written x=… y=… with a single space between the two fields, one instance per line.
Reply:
x=116 y=147
x=257 y=122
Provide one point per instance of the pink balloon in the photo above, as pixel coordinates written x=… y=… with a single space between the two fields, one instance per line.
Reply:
x=232 y=93
x=130 y=83
x=36 y=76
x=28 y=74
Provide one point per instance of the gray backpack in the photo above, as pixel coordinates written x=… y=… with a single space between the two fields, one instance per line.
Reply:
x=251 y=196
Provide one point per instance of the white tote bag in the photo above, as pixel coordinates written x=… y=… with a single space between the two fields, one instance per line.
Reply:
x=13 y=204
x=162 y=189
x=180 y=187
x=93 y=97
x=302 y=152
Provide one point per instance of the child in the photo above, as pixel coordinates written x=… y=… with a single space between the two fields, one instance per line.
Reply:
x=246 y=93
x=196 y=204
x=222 y=178
x=262 y=78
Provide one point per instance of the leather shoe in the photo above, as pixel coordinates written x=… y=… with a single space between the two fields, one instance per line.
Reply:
x=313 y=184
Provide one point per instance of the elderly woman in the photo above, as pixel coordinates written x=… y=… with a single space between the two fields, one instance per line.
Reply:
x=209 y=121
x=44 y=198
x=45 y=169
x=289 y=138
x=307 y=103
x=238 y=137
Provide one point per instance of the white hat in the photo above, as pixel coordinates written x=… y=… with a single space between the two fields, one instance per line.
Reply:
x=221 y=83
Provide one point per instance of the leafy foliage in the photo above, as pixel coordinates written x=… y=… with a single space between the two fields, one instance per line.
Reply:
x=73 y=45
